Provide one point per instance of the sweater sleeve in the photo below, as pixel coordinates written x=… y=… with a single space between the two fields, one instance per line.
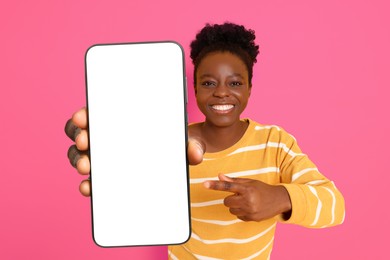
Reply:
x=315 y=200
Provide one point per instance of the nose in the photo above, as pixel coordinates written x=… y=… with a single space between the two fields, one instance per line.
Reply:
x=221 y=91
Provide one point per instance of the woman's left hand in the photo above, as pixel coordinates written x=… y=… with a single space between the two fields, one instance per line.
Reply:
x=252 y=200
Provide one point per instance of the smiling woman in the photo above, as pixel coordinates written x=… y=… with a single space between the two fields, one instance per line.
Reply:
x=244 y=176
x=252 y=175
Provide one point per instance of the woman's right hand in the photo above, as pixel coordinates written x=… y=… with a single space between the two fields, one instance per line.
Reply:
x=76 y=129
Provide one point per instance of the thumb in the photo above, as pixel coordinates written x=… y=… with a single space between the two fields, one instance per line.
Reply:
x=223 y=177
x=195 y=151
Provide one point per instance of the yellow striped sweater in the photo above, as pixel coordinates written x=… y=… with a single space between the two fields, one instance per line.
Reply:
x=265 y=153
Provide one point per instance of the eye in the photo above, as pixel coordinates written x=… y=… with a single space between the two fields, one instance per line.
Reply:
x=235 y=83
x=208 y=83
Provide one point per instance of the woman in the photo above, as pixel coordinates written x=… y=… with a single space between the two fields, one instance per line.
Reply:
x=245 y=176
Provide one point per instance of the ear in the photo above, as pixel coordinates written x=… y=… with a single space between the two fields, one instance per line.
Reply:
x=250 y=89
x=196 y=91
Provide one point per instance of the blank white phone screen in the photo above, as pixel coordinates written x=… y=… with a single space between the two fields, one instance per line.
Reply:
x=138 y=135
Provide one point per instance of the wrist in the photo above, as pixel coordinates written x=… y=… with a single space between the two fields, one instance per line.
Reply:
x=285 y=203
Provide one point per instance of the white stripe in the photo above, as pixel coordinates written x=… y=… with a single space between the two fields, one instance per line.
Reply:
x=333 y=203
x=342 y=220
x=260 y=252
x=316 y=182
x=232 y=240
x=319 y=206
x=257 y=128
x=298 y=154
x=218 y=222
x=237 y=174
x=249 y=148
x=284 y=147
x=207 y=203
x=202 y=257
x=295 y=140
x=263 y=146
x=172 y=255
x=270 y=127
x=296 y=175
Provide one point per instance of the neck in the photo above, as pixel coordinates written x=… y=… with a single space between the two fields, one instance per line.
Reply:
x=221 y=138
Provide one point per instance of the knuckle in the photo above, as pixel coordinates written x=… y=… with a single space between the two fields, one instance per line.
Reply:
x=226 y=185
x=252 y=210
x=250 y=189
x=71 y=130
x=76 y=133
x=73 y=155
x=232 y=211
x=68 y=126
x=71 y=151
x=243 y=218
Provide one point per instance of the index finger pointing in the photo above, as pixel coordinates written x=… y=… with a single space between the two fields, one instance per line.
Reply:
x=224 y=186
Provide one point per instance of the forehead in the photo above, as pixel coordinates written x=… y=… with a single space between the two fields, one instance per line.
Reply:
x=221 y=62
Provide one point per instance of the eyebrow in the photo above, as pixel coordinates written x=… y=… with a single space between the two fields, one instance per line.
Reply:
x=211 y=76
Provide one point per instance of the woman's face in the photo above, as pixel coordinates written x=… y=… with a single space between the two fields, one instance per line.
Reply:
x=222 y=88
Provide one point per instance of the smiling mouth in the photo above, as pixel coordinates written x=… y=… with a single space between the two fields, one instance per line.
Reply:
x=222 y=108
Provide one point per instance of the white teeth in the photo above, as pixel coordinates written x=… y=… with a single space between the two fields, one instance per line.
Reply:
x=222 y=107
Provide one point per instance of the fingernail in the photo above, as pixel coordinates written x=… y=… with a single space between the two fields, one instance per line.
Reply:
x=206 y=184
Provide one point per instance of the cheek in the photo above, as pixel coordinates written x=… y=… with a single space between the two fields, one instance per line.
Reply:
x=201 y=106
x=200 y=99
x=243 y=96
x=201 y=94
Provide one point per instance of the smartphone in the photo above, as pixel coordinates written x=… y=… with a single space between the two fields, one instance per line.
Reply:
x=137 y=122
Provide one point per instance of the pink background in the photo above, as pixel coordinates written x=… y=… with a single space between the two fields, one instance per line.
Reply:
x=323 y=74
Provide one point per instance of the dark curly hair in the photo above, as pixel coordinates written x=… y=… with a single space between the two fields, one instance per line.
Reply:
x=225 y=37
